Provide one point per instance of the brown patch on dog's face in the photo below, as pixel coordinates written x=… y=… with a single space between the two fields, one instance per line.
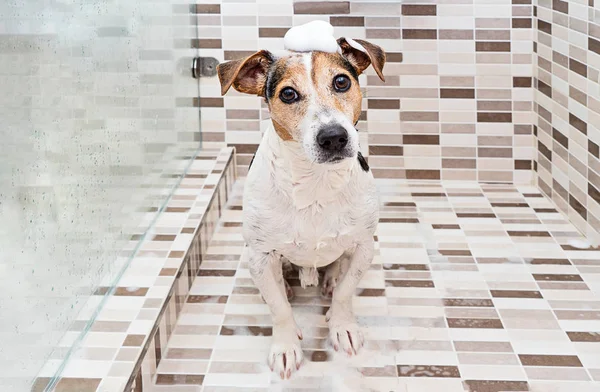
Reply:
x=312 y=76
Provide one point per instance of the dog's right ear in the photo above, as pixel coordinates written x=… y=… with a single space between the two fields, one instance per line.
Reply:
x=247 y=75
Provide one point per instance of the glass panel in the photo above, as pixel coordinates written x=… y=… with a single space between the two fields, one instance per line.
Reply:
x=98 y=121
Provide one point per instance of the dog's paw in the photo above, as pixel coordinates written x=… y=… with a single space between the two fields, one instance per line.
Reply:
x=286 y=354
x=345 y=335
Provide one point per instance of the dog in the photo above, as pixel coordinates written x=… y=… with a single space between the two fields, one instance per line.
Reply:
x=310 y=197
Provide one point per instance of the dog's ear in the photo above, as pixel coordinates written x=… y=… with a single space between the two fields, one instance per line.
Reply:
x=247 y=75
x=361 y=54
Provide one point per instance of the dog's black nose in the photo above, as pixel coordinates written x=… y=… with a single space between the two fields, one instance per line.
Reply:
x=332 y=138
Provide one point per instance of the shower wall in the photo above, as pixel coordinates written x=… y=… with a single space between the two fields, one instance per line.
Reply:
x=567 y=100
x=97 y=122
x=457 y=102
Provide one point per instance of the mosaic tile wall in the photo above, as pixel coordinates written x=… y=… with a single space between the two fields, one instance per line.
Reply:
x=457 y=102
x=567 y=97
x=96 y=111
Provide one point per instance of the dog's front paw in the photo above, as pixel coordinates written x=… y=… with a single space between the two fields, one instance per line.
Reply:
x=286 y=354
x=344 y=333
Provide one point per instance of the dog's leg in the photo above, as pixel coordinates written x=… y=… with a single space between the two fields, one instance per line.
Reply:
x=286 y=355
x=334 y=273
x=344 y=333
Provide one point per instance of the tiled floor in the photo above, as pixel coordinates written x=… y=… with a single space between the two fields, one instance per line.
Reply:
x=481 y=288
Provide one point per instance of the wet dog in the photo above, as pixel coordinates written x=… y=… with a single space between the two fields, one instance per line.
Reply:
x=309 y=197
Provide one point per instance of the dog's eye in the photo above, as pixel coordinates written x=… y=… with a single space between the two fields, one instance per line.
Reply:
x=341 y=83
x=289 y=95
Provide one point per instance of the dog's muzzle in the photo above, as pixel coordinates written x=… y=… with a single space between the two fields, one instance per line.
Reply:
x=333 y=140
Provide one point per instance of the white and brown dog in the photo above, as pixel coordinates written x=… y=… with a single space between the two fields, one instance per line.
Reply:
x=309 y=196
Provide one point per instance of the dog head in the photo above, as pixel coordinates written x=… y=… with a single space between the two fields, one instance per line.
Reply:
x=314 y=97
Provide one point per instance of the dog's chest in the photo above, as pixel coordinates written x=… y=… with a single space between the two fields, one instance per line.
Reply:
x=316 y=239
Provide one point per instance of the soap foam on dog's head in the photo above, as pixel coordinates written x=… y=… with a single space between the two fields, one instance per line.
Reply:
x=313 y=36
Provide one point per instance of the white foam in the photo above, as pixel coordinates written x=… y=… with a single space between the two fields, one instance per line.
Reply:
x=580 y=244
x=312 y=36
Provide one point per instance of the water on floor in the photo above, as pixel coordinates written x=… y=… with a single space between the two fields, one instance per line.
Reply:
x=481 y=288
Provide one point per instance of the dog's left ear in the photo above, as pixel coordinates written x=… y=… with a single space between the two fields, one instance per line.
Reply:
x=247 y=75
x=362 y=53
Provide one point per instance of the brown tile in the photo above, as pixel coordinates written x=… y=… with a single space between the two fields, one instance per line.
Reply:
x=594 y=45
x=40 y=384
x=445 y=227
x=386 y=150
x=550 y=360
x=422 y=174
x=433 y=371
x=468 y=302
x=528 y=233
x=521 y=23
x=541 y=261
x=237 y=54
x=206 y=8
x=179 y=379
x=419 y=116
x=134 y=340
x=272 y=32
x=419 y=34
x=560 y=6
x=496 y=386
x=211 y=102
x=131 y=291
x=578 y=123
x=398 y=220
x=382 y=33
x=406 y=267
x=474 y=323
x=243 y=331
x=578 y=67
x=164 y=237
x=558 y=277
x=455 y=252
x=492 y=35
x=207 y=299
x=593 y=148
x=371 y=292
x=393 y=57
x=384 y=103
x=418 y=9
x=494 y=117
x=456 y=34
x=494 y=152
x=421 y=139
x=448 y=163
x=458 y=93
x=319 y=356
x=486 y=347
x=215 y=272
x=322 y=7
x=68 y=384
x=516 y=294
x=578 y=95
x=523 y=164
x=409 y=283
x=522 y=81
x=482 y=46
x=353 y=21
x=588 y=337
x=544 y=88
x=206 y=43
x=544 y=26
